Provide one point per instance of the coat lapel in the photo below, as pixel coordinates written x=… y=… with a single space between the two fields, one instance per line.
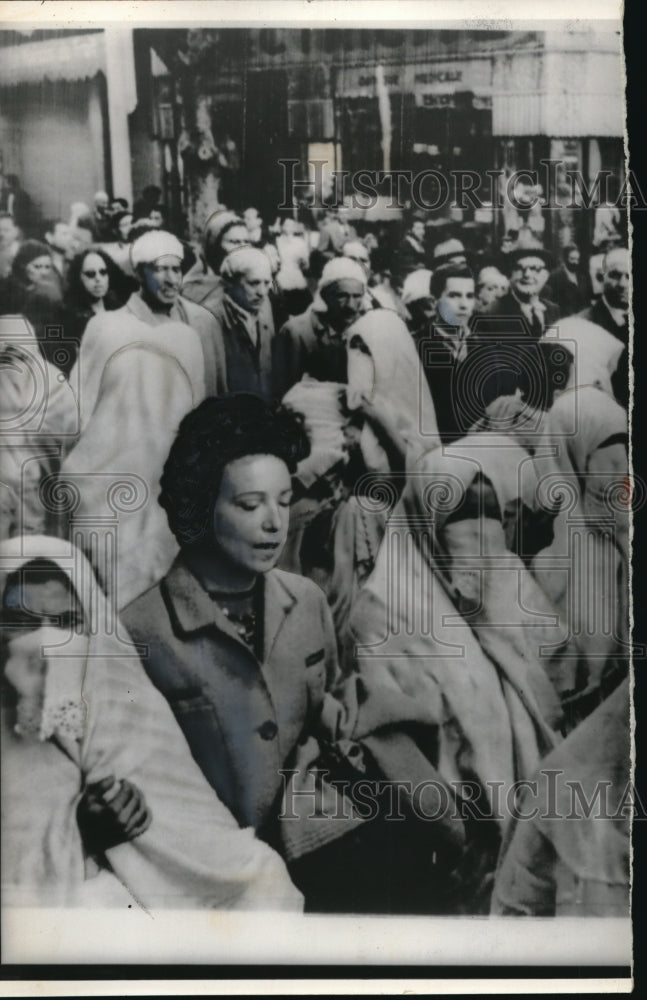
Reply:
x=279 y=601
x=192 y=607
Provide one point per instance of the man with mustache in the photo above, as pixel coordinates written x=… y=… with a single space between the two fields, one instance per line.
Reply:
x=314 y=342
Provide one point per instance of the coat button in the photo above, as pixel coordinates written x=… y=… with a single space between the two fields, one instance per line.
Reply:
x=268 y=730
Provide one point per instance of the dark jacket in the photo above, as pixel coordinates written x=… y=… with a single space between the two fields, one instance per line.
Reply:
x=570 y=296
x=411 y=255
x=305 y=346
x=242 y=718
x=453 y=402
x=502 y=351
x=248 y=364
x=599 y=313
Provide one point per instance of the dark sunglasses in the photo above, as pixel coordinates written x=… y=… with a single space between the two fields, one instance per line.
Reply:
x=92 y=274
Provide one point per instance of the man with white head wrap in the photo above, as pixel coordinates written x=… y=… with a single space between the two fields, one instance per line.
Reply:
x=418 y=301
x=314 y=343
x=156 y=259
x=380 y=293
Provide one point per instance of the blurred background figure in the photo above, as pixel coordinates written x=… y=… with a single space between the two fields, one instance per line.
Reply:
x=18 y=204
x=255 y=226
x=34 y=290
x=412 y=252
x=294 y=256
x=566 y=285
x=9 y=243
x=60 y=237
x=100 y=219
x=150 y=198
x=118 y=247
x=491 y=286
x=224 y=231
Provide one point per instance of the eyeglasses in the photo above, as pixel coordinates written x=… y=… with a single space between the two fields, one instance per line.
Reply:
x=92 y=274
x=531 y=268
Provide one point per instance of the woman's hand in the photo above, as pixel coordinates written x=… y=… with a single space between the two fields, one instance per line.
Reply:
x=111 y=812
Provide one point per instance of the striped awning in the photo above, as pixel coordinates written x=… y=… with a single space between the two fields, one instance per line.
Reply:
x=75 y=57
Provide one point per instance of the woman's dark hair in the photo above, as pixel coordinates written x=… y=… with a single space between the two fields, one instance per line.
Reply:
x=116 y=219
x=76 y=293
x=28 y=251
x=442 y=274
x=220 y=430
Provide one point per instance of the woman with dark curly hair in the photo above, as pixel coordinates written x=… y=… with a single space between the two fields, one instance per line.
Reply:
x=95 y=284
x=243 y=652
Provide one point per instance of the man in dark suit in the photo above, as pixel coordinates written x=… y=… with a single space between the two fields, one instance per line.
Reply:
x=528 y=273
x=611 y=311
x=443 y=347
x=502 y=347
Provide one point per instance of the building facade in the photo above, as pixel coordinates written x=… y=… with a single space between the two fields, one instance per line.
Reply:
x=209 y=114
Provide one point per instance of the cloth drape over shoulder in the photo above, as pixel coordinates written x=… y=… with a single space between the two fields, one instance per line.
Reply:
x=101 y=717
x=411 y=636
x=384 y=367
x=581 y=460
x=515 y=622
x=136 y=383
x=563 y=861
x=38 y=414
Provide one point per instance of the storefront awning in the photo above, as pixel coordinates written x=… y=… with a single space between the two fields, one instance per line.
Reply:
x=75 y=57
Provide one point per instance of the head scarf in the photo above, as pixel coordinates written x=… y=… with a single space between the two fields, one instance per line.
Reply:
x=154 y=244
x=38 y=413
x=417 y=285
x=440 y=478
x=219 y=221
x=104 y=717
x=387 y=368
x=137 y=382
x=595 y=351
x=335 y=270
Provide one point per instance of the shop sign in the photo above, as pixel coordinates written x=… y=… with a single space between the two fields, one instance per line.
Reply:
x=418 y=79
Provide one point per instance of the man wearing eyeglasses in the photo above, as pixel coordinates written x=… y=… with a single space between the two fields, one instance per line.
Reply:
x=504 y=338
x=528 y=273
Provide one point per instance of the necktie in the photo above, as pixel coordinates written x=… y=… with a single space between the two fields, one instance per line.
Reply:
x=536 y=322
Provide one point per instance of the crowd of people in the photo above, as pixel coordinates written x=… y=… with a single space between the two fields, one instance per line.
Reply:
x=315 y=552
